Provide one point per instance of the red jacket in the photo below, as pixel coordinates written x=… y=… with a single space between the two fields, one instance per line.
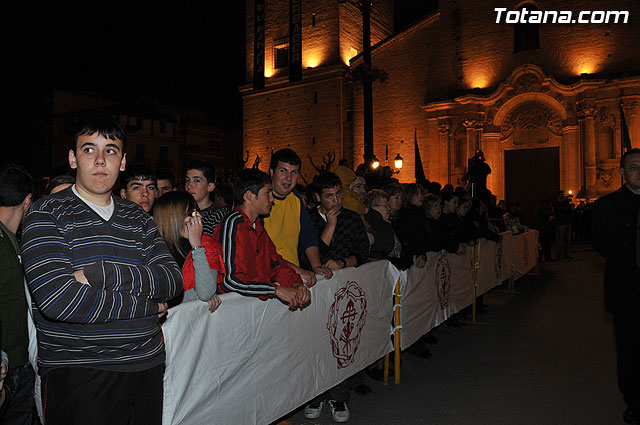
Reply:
x=214 y=257
x=252 y=264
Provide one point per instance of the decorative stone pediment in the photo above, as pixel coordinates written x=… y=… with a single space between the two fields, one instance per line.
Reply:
x=530 y=123
x=528 y=82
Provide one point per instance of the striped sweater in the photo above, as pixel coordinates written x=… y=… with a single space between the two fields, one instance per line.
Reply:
x=112 y=323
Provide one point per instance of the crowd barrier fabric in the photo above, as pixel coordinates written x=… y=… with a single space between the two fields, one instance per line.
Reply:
x=251 y=361
x=525 y=252
x=495 y=263
x=430 y=295
x=445 y=285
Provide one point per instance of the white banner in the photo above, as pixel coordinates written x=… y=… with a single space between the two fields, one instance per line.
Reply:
x=252 y=362
x=525 y=252
x=434 y=293
x=494 y=261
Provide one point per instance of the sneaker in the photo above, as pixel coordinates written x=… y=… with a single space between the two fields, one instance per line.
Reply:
x=313 y=410
x=339 y=411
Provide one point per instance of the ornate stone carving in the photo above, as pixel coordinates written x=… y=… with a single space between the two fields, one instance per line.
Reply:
x=444 y=125
x=530 y=123
x=606 y=175
x=527 y=83
x=604 y=118
x=630 y=108
x=586 y=110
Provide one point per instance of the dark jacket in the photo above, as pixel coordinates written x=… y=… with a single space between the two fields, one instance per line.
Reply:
x=615 y=228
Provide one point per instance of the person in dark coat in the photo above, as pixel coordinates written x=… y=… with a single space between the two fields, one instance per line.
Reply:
x=615 y=237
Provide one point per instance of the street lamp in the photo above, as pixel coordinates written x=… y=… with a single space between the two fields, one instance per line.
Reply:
x=397 y=162
x=375 y=163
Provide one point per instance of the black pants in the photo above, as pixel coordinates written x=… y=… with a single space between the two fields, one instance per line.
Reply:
x=20 y=382
x=80 y=396
x=628 y=354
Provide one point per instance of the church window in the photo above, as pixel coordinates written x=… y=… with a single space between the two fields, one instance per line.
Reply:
x=526 y=36
x=281 y=56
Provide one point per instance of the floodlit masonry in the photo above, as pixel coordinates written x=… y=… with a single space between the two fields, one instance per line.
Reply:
x=525 y=16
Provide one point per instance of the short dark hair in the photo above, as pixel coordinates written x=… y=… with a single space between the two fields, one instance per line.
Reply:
x=249 y=179
x=285 y=155
x=208 y=170
x=623 y=159
x=15 y=184
x=447 y=196
x=136 y=171
x=66 y=178
x=105 y=125
x=393 y=189
x=166 y=175
x=326 y=180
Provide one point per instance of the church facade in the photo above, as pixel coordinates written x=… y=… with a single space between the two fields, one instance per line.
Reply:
x=544 y=101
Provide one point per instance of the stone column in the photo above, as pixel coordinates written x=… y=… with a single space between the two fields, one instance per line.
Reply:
x=570 y=170
x=470 y=125
x=444 y=130
x=588 y=117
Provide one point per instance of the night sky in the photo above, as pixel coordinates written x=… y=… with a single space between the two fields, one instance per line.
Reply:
x=186 y=53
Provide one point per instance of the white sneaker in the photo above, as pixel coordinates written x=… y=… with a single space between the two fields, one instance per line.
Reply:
x=313 y=410
x=339 y=411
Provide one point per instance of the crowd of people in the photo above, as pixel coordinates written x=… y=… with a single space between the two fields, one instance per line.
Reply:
x=102 y=270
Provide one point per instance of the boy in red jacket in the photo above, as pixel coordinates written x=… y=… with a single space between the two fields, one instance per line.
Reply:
x=254 y=268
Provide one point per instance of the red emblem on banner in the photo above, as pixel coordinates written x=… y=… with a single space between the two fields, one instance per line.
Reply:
x=443 y=280
x=347 y=316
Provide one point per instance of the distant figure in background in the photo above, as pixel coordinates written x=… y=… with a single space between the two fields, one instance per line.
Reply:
x=166 y=182
x=616 y=235
x=223 y=196
x=545 y=225
x=476 y=175
x=59 y=183
x=562 y=214
x=138 y=184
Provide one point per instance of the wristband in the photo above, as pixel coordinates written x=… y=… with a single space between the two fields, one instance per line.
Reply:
x=343 y=261
x=197 y=247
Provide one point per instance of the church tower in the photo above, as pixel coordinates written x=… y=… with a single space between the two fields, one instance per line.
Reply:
x=297 y=95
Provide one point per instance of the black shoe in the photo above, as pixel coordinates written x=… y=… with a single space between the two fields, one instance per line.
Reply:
x=631 y=416
x=363 y=389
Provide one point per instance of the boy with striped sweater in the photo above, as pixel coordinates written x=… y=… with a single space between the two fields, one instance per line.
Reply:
x=100 y=275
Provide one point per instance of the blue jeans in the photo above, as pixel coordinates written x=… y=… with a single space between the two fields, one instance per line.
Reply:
x=20 y=381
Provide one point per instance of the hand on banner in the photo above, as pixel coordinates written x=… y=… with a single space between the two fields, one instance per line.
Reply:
x=462 y=249
x=304 y=296
x=324 y=271
x=421 y=260
x=214 y=303
x=162 y=309
x=308 y=275
x=291 y=296
x=333 y=265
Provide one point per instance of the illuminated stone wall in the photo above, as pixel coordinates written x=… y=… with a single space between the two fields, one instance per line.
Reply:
x=453 y=73
x=312 y=116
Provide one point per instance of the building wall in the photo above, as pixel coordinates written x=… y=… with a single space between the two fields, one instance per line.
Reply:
x=312 y=116
x=460 y=51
